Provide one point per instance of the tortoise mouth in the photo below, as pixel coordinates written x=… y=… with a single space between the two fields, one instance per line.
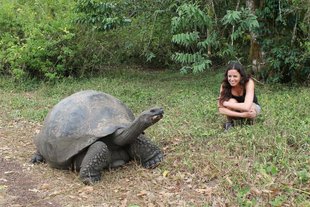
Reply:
x=157 y=117
x=158 y=114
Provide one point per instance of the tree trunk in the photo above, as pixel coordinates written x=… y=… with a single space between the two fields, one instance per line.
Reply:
x=256 y=54
x=233 y=27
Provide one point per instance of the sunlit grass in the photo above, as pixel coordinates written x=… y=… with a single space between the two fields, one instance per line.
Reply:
x=259 y=165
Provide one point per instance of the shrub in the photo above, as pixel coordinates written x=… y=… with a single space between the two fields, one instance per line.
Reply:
x=284 y=36
x=190 y=28
x=41 y=46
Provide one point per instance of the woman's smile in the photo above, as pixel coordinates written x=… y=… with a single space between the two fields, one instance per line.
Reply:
x=234 y=77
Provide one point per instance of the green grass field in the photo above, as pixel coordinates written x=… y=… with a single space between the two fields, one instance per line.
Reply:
x=266 y=164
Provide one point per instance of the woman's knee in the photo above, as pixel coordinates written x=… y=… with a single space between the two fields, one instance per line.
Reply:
x=256 y=108
x=232 y=100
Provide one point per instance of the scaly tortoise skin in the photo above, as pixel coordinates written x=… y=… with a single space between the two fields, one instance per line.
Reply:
x=90 y=131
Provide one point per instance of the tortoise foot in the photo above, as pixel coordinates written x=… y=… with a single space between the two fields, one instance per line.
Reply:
x=37 y=158
x=154 y=161
x=146 y=152
x=90 y=180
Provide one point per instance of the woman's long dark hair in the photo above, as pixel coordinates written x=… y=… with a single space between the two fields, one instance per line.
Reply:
x=226 y=87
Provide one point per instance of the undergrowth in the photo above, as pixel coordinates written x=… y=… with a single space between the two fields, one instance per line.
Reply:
x=266 y=164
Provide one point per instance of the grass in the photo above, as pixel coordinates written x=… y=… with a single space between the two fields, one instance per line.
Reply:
x=266 y=164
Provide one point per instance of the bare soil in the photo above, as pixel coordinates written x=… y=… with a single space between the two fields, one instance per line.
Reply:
x=25 y=184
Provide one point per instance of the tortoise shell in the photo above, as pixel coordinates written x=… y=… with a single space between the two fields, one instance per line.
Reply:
x=78 y=121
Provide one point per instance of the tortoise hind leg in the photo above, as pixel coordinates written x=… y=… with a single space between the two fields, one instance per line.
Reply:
x=37 y=158
x=146 y=152
x=96 y=159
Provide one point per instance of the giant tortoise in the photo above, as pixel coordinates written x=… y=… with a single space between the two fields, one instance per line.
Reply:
x=90 y=131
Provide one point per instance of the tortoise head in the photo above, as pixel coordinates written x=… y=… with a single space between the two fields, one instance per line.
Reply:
x=147 y=118
x=151 y=116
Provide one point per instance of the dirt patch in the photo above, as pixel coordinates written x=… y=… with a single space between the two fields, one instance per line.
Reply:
x=24 y=184
x=18 y=185
x=18 y=188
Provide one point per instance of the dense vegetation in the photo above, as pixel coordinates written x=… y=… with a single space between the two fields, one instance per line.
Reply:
x=266 y=164
x=69 y=41
x=52 y=39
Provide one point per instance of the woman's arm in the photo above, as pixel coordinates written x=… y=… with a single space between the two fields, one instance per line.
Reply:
x=247 y=114
x=228 y=112
x=248 y=101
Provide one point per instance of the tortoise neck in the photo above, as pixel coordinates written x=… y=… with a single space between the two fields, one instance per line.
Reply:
x=129 y=134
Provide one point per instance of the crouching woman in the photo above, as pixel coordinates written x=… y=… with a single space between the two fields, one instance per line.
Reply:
x=237 y=99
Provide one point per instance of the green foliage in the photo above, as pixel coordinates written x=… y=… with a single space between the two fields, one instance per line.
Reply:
x=151 y=32
x=100 y=15
x=197 y=62
x=144 y=41
x=42 y=45
x=242 y=23
x=190 y=28
x=195 y=33
x=53 y=39
x=186 y=39
x=286 y=65
x=285 y=40
x=190 y=17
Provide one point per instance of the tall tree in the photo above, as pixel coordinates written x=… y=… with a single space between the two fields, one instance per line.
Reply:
x=256 y=54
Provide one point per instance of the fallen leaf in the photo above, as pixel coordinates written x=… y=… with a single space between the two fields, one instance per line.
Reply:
x=255 y=191
x=3 y=187
x=3 y=180
x=55 y=193
x=166 y=173
x=142 y=193
x=229 y=181
x=45 y=186
x=204 y=190
x=34 y=190
x=267 y=191
x=8 y=172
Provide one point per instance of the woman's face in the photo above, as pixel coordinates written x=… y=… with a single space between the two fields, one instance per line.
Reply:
x=233 y=77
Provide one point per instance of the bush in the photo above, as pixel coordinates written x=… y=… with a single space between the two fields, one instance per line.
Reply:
x=284 y=36
x=190 y=28
x=42 y=44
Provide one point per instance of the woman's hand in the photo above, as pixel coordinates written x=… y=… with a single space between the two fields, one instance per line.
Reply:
x=250 y=114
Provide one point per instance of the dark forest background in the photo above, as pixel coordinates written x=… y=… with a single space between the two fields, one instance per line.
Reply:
x=53 y=39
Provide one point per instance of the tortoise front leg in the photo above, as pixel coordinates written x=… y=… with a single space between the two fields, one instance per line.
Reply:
x=146 y=152
x=96 y=159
